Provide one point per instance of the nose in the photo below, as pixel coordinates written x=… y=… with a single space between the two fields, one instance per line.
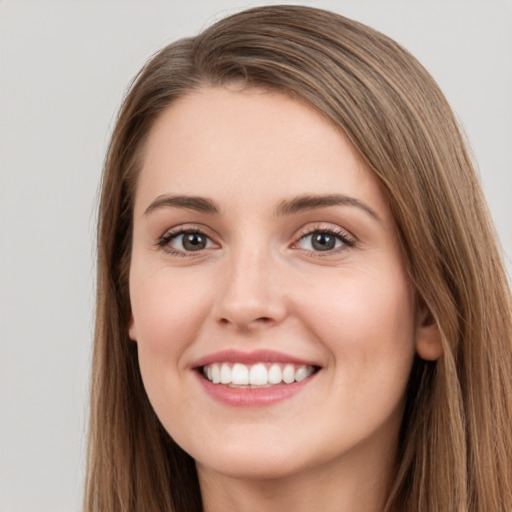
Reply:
x=250 y=298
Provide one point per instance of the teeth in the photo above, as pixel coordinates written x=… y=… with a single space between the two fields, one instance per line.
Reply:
x=239 y=374
x=275 y=375
x=302 y=373
x=288 y=374
x=260 y=374
x=215 y=374
x=225 y=374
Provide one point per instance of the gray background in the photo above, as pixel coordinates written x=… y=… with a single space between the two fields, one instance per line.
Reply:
x=64 y=68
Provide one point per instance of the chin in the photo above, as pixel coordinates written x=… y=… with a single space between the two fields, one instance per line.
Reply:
x=250 y=467
x=252 y=461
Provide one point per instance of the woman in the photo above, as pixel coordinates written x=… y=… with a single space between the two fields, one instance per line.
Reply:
x=301 y=304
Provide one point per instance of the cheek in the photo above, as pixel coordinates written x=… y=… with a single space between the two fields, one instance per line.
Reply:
x=167 y=315
x=367 y=326
x=167 y=311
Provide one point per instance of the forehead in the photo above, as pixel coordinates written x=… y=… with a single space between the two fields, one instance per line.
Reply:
x=254 y=143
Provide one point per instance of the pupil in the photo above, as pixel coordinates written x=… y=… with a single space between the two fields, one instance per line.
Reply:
x=323 y=242
x=194 y=242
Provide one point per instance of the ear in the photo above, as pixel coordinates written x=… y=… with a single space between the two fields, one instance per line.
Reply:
x=132 y=331
x=428 y=338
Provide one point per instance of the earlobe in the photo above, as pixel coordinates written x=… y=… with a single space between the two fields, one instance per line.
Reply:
x=132 y=332
x=428 y=337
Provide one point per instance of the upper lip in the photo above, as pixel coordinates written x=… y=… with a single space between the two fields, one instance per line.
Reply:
x=256 y=356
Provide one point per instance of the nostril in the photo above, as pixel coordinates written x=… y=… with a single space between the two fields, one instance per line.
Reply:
x=263 y=320
x=258 y=321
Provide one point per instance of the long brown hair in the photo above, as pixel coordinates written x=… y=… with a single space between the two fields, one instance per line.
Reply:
x=456 y=438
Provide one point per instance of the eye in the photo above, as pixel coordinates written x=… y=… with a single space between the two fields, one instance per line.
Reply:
x=324 y=240
x=185 y=241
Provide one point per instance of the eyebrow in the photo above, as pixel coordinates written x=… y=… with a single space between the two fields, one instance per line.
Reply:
x=312 y=202
x=295 y=205
x=199 y=204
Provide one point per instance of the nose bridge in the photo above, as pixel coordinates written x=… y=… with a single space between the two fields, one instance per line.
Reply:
x=250 y=297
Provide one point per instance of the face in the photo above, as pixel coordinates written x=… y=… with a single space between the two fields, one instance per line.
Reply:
x=273 y=317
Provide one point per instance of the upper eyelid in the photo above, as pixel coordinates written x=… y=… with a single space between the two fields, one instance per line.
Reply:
x=324 y=227
x=187 y=228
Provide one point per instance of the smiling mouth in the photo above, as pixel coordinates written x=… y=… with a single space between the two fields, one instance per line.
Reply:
x=254 y=376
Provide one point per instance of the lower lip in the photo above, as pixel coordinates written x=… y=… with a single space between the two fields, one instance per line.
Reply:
x=255 y=397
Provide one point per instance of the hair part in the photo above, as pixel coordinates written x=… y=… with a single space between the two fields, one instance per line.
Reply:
x=456 y=437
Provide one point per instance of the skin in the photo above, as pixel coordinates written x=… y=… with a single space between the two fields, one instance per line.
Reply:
x=259 y=283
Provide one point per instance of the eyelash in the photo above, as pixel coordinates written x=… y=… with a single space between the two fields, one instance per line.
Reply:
x=342 y=236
